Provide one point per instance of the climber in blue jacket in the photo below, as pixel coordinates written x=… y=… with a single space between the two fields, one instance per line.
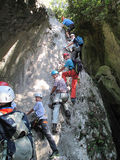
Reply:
x=69 y=24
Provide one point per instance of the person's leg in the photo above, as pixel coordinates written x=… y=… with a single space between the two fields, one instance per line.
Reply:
x=68 y=32
x=73 y=56
x=76 y=55
x=64 y=75
x=64 y=97
x=73 y=90
x=74 y=76
x=77 y=51
x=67 y=111
x=56 y=106
x=80 y=55
x=48 y=135
x=71 y=27
x=56 y=113
x=34 y=124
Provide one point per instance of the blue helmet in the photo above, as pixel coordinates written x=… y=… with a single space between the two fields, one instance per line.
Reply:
x=54 y=72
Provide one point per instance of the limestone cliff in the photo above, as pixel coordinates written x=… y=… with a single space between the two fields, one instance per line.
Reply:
x=31 y=46
x=101 y=57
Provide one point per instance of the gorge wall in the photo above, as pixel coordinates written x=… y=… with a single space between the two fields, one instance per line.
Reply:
x=19 y=21
x=25 y=35
x=101 y=56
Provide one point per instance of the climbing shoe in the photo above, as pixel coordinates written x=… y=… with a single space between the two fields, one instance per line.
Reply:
x=73 y=100
x=54 y=154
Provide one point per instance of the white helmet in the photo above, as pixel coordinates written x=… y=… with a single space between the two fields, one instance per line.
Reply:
x=72 y=35
x=38 y=95
x=6 y=94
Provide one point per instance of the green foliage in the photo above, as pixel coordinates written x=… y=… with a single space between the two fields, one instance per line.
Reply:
x=91 y=10
x=88 y=10
x=85 y=12
x=96 y=146
x=59 y=7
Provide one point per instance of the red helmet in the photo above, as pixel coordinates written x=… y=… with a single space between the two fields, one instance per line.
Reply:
x=62 y=18
x=2 y=83
x=65 y=54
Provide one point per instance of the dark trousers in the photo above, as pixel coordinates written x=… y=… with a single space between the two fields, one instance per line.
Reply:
x=70 y=28
x=42 y=125
x=77 y=52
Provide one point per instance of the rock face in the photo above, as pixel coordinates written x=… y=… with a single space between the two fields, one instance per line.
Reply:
x=17 y=17
x=111 y=96
x=112 y=51
x=27 y=60
x=107 y=80
x=101 y=56
x=17 y=22
x=89 y=125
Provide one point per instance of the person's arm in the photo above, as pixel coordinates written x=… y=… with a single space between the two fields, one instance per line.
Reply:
x=53 y=90
x=69 y=44
x=30 y=111
x=61 y=69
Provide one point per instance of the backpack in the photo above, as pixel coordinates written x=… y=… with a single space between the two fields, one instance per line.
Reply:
x=16 y=141
x=79 y=40
x=78 y=65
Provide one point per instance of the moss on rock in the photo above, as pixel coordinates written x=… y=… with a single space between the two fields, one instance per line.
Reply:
x=104 y=76
x=112 y=50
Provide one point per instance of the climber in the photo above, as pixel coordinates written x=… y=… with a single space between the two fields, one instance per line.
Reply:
x=13 y=104
x=42 y=123
x=70 y=73
x=60 y=97
x=69 y=24
x=15 y=134
x=77 y=43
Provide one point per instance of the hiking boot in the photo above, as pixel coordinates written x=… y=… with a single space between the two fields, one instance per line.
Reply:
x=54 y=154
x=54 y=128
x=67 y=114
x=73 y=100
